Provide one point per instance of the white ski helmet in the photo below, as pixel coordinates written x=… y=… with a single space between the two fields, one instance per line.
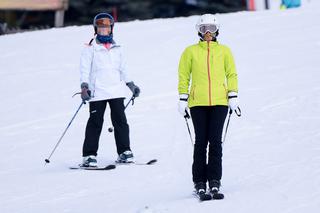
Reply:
x=207 y=22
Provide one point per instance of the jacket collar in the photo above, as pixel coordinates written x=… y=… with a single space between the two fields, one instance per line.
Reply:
x=204 y=44
x=98 y=46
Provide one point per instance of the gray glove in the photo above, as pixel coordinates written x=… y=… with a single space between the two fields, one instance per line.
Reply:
x=85 y=92
x=134 y=89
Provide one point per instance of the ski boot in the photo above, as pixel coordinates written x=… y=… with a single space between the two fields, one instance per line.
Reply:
x=201 y=189
x=125 y=157
x=89 y=161
x=214 y=187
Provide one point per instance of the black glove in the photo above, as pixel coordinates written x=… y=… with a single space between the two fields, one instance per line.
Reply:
x=134 y=89
x=85 y=92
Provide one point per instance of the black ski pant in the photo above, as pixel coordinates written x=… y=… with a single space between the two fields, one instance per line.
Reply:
x=208 y=122
x=95 y=123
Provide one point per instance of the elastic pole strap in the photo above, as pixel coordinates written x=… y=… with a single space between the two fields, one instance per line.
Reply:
x=238 y=111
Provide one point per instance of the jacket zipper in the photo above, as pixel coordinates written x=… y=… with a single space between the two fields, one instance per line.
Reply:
x=208 y=65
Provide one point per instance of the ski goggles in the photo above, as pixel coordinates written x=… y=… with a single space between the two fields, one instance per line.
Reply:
x=203 y=29
x=103 y=23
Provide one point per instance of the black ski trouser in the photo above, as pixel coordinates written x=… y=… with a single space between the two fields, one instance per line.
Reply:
x=208 y=122
x=95 y=123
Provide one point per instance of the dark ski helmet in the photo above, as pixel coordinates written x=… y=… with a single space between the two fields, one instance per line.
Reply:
x=103 y=20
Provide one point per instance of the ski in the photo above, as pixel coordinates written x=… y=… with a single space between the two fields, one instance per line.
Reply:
x=203 y=196
x=108 y=167
x=217 y=196
x=150 y=162
x=113 y=166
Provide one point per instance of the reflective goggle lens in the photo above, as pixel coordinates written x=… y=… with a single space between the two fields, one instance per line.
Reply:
x=103 y=22
x=208 y=28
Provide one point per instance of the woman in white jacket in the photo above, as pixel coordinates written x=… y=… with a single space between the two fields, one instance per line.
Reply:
x=104 y=79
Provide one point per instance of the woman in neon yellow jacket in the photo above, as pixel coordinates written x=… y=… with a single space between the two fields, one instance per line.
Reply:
x=210 y=68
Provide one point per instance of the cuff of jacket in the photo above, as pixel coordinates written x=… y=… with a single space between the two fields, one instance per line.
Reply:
x=183 y=97
x=232 y=95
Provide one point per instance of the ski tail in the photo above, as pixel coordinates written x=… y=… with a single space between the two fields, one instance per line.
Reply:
x=203 y=196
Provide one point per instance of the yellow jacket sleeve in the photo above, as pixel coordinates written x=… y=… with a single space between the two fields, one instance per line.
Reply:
x=184 y=72
x=231 y=74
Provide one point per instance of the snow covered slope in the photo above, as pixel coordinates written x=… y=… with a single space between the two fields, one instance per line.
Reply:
x=271 y=155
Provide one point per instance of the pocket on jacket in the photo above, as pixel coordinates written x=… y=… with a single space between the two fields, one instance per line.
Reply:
x=221 y=92
x=193 y=91
x=225 y=89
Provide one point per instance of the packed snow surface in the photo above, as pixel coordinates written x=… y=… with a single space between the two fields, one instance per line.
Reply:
x=271 y=154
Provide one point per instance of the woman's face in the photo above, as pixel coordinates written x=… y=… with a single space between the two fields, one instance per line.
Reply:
x=104 y=30
x=103 y=26
x=208 y=36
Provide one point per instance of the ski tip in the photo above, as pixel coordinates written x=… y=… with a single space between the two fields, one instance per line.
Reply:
x=205 y=198
x=152 y=161
x=218 y=196
x=111 y=166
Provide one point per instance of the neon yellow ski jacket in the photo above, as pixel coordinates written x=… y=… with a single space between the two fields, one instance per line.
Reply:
x=210 y=67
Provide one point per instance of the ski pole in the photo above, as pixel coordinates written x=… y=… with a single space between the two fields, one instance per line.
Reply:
x=131 y=99
x=225 y=133
x=187 y=116
x=110 y=129
x=238 y=113
x=47 y=160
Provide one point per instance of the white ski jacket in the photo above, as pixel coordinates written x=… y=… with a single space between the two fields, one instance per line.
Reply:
x=104 y=70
